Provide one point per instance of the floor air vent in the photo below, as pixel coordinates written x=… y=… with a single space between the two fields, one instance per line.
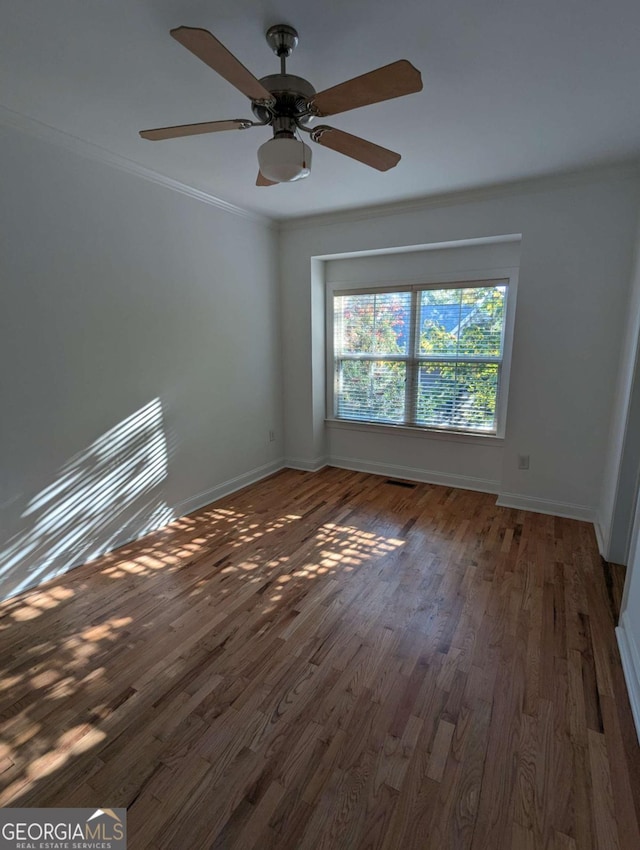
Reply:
x=400 y=483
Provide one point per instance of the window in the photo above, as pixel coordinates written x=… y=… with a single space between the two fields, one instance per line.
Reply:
x=426 y=356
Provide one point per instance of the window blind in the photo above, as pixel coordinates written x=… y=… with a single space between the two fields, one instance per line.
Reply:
x=424 y=356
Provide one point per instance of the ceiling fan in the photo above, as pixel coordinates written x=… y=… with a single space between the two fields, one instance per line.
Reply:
x=289 y=104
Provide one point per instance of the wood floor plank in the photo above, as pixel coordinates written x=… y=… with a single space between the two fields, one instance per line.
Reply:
x=602 y=800
x=328 y=660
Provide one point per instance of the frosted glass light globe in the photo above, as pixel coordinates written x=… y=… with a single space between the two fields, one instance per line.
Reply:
x=283 y=160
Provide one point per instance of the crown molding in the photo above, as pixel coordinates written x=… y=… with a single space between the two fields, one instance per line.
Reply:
x=623 y=170
x=89 y=150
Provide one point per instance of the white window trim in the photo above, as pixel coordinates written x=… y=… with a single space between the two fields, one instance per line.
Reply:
x=463 y=278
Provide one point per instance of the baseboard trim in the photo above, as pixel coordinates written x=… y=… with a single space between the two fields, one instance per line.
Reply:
x=603 y=548
x=425 y=476
x=306 y=465
x=179 y=510
x=545 y=506
x=194 y=503
x=630 y=668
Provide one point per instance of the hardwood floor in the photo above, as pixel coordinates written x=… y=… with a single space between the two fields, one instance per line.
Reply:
x=331 y=660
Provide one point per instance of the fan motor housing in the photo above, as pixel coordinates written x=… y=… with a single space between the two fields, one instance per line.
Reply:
x=292 y=94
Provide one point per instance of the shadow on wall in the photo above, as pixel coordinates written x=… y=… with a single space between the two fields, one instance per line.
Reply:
x=104 y=496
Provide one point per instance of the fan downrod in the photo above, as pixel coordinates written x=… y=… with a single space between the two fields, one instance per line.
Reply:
x=291 y=93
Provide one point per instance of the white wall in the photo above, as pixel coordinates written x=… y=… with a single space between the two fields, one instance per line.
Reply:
x=413 y=266
x=140 y=343
x=137 y=385
x=618 y=531
x=575 y=266
x=622 y=466
x=459 y=461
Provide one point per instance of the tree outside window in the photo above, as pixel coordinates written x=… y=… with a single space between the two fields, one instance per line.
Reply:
x=428 y=357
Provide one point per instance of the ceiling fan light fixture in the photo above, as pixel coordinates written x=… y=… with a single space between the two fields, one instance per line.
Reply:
x=288 y=104
x=284 y=159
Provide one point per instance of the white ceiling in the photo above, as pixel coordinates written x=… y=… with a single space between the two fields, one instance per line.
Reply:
x=512 y=88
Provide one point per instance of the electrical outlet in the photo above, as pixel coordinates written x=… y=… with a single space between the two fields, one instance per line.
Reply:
x=523 y=461
x=272 y=436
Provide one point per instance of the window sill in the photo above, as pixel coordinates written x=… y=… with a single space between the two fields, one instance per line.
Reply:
x=420 y=433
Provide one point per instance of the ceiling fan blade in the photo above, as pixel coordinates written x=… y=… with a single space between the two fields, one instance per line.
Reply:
x=214 y=54
x=261 y=180
x=194 y=129
x=384 y=83
x=377 y=157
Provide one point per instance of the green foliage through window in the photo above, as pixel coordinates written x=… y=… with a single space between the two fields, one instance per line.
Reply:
x=428 y=357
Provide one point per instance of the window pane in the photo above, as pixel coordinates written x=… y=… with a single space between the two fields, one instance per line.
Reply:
x=439 y=321
x=481 y=328
x=370 y=390
x=462 y=322
x=372 y=324
x=456 y=327
x=458 y=395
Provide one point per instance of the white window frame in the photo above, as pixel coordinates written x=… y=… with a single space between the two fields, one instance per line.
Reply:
x=456 y=280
